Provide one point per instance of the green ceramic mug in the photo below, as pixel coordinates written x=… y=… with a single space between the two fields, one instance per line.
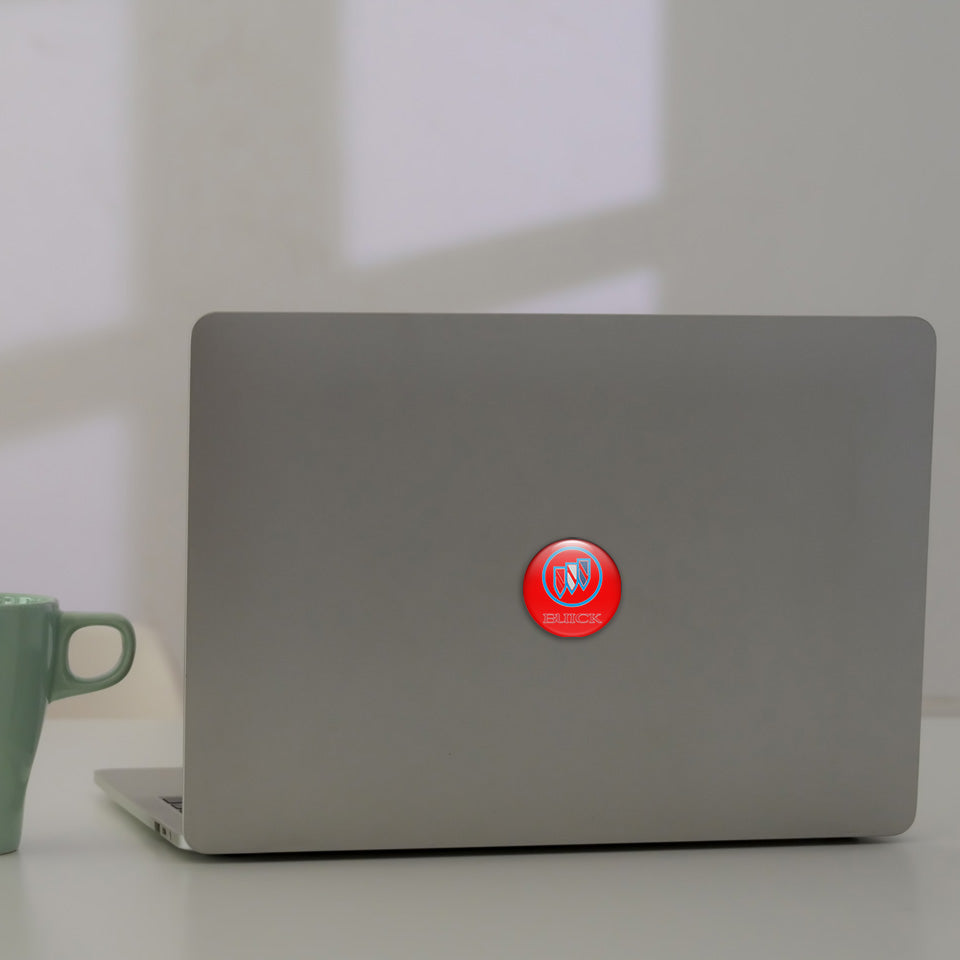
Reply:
x=34 y=670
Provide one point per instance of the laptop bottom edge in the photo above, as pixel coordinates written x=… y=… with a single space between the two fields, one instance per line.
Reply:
x=146 y=793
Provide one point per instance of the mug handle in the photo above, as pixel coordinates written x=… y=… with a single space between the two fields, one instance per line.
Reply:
x=63 y=682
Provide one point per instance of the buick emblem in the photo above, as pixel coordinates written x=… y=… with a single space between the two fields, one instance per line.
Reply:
x=572 y=588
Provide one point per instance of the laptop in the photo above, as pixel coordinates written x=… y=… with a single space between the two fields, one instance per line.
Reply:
x=489 y=581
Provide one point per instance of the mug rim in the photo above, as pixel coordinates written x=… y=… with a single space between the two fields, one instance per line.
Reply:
x=14 y=600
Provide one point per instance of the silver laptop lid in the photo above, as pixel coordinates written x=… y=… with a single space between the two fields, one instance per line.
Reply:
x=367 y=491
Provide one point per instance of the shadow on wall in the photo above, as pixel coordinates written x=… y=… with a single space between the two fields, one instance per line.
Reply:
x=172 y=160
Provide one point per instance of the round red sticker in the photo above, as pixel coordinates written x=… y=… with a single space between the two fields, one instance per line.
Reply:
x=572 y=588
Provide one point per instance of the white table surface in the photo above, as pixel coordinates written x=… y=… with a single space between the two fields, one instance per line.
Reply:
x=89 y=881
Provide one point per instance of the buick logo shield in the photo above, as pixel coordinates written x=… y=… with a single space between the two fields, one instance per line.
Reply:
x=570 y=577
x=570 y=566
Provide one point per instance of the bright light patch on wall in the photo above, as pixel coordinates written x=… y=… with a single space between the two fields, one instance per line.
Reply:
x=466 y=120
x=63 y=514
x=637 y=292
x=64 y=86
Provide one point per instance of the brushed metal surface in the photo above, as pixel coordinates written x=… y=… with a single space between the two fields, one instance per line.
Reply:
x=367 y=490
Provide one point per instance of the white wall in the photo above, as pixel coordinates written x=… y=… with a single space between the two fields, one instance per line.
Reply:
x=165 y=158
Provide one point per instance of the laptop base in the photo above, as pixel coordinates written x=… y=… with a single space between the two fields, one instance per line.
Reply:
x=144 y=793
